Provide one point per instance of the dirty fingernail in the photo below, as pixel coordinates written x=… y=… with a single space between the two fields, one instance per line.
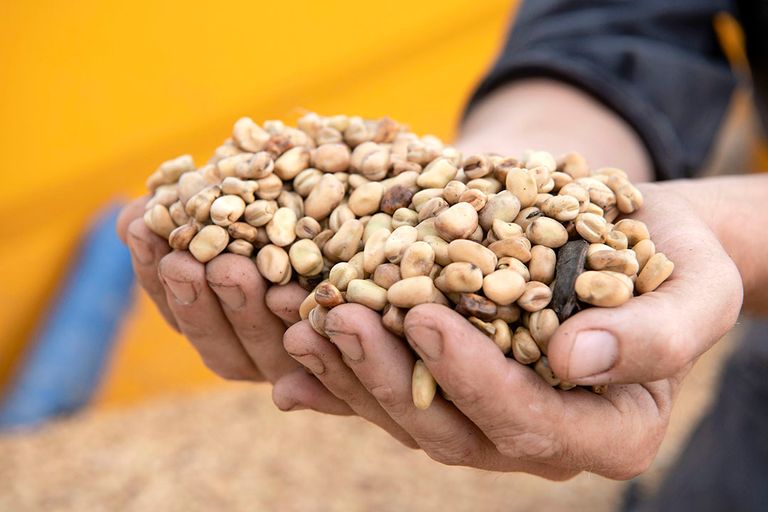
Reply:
x=232 y=296
x=184 y=292
x=311 y=362
x=142 y=251
x=349 y=344
x=429 y=341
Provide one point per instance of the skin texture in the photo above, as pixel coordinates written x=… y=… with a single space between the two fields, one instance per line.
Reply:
x=365 y=370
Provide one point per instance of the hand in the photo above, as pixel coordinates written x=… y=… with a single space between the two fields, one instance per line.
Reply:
x=501 y=415
x=226 y=310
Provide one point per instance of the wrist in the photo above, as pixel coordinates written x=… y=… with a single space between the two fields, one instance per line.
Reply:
x=539 y=113
x=733 y=207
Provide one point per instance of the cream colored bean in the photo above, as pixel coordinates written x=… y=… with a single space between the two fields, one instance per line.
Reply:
x=398 y=241
x=545 y=372
x=526 y=216
x=404 y=217
x=644 y=249
x=656 y=271
x=346 y=242
x=616 y=239
x=460 y=277
x=373 y=252
x=291 y=163
x=209 y=242
x=327 y=195
x=535 y=297
x=523 y=185
x=634 y=229
x=453 y=191
x=603 y=289
x=542 y=325
x=413 y=291
x=591 y=227
x=514 y=264
x=243 y=188
x=199 y=206
x=306 y=258
x=227 y=209
x=282 y=228
x=503 y=336
x=178 y=213
x=504 y=206
x=248 y=135
x=542 y=264
x=260 y=212
x=180 y=237
x=547 y=232
x=339 y=216
x=437 y=174
x=623 y=260
x=341 y=274
x=503 y=230
x=307 y=228
x=306 y=180
x=367 y=293
x=458 y=221
x=524 y=348
x=306 y=306
x=473 y=252
x=503 y=286
x=377 y=221
x=240 y=247
x=561 y=207
x=386 y=275
x=269 y=187
x=440 y=248
x=418 y=260
x=292 y=200
x=518 y=247
x=333 y=157
x=365 y=199
x=432 y=208
x=574 y=165
x=159 y=221
x=423 y=386
x=274 y=264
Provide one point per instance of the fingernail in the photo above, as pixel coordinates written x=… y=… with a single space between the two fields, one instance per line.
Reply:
x=232 y=296
x=593 y=353
x=311 y=362
x=427 y=340
x=182 y=291
x=141 y=250
x=348 y=343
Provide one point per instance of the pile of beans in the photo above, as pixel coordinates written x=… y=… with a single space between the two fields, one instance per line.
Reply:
x=364 y=211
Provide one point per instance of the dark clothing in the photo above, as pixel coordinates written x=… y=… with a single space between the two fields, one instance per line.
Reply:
x=657 y=63
x=725 y=463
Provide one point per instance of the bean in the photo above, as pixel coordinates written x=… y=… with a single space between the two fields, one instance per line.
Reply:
x=601 y=288
x=423 y=386
x=655 y=271
x=209 y=242
x=458 y=221
x=503 y=286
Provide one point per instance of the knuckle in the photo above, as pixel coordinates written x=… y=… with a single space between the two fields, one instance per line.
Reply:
x=232 y=372
x=397 y=406
x=450 y=450
x=464 y=392
x=528 y=446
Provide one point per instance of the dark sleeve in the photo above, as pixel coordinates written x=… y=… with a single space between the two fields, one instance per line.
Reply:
x=657 y=63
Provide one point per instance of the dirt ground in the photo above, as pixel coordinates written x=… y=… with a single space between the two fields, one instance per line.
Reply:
x=231 y=449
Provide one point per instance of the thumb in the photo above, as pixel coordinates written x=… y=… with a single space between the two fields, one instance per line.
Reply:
x=656 y=335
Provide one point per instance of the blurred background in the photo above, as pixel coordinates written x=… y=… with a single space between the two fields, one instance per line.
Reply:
x=93 y=96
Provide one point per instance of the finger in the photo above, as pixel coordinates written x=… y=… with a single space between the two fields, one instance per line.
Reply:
x=658 y=334
x=130 y=212
x=384 y=365
x=241 y=290
x=284 y=301
x=323 y=359
x=510 y=403
x=299 y=390
x=147 y=249
x=201 y=319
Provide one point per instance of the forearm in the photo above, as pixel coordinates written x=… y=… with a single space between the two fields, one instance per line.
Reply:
x=736 y=209
x=551 y=115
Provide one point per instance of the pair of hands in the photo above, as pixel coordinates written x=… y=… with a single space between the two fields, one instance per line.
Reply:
x=501 y=416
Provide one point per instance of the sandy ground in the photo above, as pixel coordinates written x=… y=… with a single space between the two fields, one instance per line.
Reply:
x=232 y=450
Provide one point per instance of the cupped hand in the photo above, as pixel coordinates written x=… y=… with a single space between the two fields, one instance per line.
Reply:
x=226 y=310
x=497 y=414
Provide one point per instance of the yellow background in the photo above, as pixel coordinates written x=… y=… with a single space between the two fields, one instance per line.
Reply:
x=93 y=95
